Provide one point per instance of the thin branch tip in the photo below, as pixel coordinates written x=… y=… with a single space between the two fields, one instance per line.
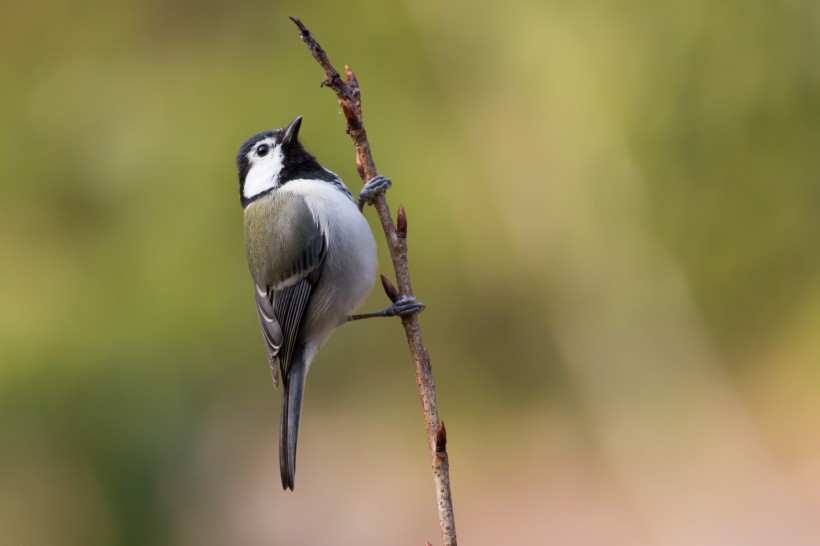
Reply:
x=299 y=24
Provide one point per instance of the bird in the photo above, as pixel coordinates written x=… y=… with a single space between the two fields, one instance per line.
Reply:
x=312 y=259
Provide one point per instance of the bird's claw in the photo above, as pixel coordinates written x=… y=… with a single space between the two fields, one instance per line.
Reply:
x=401 y=308
x=373 y=188
x=406 y=307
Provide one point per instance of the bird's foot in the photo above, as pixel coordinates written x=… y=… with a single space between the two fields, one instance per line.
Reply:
x=405 y=307
x=373 y=188
x=401 y=308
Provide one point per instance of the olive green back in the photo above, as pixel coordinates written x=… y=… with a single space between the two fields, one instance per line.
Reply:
x=279 y=229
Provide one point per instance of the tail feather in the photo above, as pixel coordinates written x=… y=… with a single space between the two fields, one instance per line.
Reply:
x=291 y=415
x=283 y=439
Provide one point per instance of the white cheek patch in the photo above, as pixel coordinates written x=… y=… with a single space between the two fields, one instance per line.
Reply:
x=264 y=172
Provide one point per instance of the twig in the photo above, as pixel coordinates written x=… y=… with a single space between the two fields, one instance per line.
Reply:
x=350 y=101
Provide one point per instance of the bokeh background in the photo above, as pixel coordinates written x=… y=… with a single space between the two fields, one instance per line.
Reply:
x=613 y=213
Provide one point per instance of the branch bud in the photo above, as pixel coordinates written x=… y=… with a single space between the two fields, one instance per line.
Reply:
x=352 y=82
x=359 y=166
x=441 y=439
x=401 y=223
x=389 y=289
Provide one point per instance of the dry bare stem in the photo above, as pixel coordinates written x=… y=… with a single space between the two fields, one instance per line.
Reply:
x=349 y=97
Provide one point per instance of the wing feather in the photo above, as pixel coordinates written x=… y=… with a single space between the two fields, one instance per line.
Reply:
x=286 y=252
x=271 y=331
x=289 y=305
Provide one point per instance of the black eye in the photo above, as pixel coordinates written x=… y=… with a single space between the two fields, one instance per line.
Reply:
x=263 y=150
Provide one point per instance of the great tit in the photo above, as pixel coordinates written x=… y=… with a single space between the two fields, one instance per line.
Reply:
x=312 y=259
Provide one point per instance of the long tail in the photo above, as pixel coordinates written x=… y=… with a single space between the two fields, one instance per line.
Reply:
x=291 y=414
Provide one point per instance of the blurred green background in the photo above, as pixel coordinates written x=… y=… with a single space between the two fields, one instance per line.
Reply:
x=613 y=213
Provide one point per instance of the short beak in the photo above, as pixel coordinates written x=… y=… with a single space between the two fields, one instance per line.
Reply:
x=292 y=131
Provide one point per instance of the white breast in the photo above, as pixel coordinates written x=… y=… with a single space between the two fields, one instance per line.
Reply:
x=336 y=213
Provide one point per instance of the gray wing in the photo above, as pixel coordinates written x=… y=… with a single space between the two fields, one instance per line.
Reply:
x=281 y=312
x=271 y=330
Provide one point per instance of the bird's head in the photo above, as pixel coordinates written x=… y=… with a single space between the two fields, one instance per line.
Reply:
x=270 y=159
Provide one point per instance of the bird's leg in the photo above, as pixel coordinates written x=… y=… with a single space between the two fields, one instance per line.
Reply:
x=373 y=187
x=401 y=308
